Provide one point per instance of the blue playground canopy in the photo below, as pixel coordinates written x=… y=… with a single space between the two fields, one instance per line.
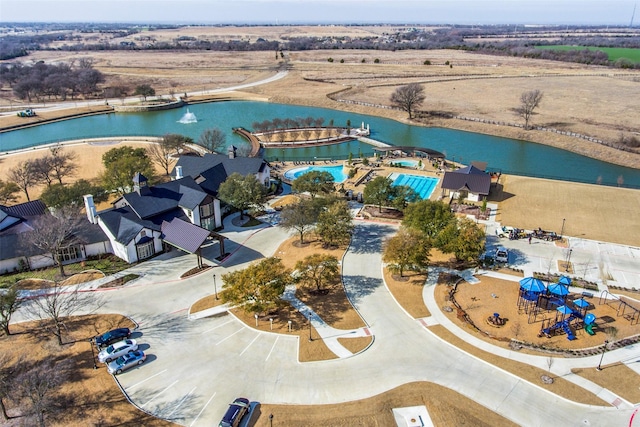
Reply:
x=531 y=284
x=558 y=289
x=580 y=302
x=564 y=309
x=564 y=280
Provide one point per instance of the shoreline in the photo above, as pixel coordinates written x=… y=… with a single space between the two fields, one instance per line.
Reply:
x=591 y=150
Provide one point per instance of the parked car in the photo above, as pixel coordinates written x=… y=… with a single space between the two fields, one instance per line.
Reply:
x=116 y=350
x=112 y=336
x=502 y=255
x=126 y=361
x=234 y=414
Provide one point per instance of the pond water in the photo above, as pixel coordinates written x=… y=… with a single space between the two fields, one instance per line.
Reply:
x=501 y=154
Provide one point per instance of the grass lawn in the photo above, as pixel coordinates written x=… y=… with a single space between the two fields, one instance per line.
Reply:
x=108 y=264
x=614 y=53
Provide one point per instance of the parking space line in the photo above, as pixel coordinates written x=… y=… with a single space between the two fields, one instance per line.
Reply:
x=272 y=347
x=181 y=402
x=219 y=326
x=202 y=410
x=158 y=394
x=247 y=347
x=147 y=379
x=224 y=339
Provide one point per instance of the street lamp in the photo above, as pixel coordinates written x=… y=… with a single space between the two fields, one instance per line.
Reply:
x=604 y=349
x=215 y=288
x=270 y=420
x=310 y=338
x=562 y=229
x=256 y=316
x=568 y=259
x=93 y=356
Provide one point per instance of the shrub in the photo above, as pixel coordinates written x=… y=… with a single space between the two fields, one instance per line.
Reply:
x=330 y=59
x=376 y=61
x=427 y=62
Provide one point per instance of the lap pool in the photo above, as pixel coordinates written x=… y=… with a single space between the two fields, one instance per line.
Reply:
x=335 y=171
x=423 y=185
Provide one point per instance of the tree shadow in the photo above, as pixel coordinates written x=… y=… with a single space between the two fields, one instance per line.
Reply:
x=497 y=194
x=158 y=326
x=368 y=240
x=177 y=410
x=358 y=287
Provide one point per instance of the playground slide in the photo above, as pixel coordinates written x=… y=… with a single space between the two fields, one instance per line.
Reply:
x=589 y=329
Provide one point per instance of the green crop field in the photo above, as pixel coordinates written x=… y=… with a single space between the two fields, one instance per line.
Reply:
x=613 y=53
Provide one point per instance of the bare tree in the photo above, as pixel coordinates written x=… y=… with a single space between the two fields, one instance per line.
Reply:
x=41 y=170
x=10 y=302
x=160 y=154
x=8 y=192
x=58 y=303
x=213 y=140
x=22 y=175
x=55 y=234
x=8 y=373
x=529 y=101
x=39 y=386
x=62 y=163
x=408 y=98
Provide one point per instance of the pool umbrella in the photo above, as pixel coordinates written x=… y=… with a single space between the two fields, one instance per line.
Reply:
x=564 y=280
x=581 y=303
x=531 y=284
x=558 y=289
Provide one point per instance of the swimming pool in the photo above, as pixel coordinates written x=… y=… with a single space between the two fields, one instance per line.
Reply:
x=335 y=171
x=423 y=185
x=404 y=163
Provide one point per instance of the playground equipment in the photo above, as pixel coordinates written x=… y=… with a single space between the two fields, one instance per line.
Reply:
x=622 y=307
x=589 y=323
x=564 y=323
x=531 y=290
x=496 y=320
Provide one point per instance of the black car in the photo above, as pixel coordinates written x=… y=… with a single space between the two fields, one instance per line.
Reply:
x=234 y=414
x=112 y=336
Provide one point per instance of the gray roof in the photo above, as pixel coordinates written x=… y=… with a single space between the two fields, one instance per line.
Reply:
x=165 y=197
x=184 y=235
x=27 y=209
x=124 y=224
x=469 y=178
x=213 y=169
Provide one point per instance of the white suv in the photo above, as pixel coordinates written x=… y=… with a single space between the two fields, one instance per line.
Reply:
x=502 y=255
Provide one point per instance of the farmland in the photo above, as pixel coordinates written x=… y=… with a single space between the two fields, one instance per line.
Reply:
x=614 y=53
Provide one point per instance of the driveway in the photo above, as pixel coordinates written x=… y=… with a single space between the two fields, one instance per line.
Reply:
x=195 y=368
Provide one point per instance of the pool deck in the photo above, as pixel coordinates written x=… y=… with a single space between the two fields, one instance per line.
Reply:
x=358 y=182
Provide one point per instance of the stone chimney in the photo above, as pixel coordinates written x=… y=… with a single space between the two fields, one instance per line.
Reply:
x=90 y=208
x=179 y=172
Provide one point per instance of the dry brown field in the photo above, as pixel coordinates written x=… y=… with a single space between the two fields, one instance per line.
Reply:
x=583 y=99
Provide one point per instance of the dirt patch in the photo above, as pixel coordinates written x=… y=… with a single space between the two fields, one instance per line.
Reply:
x=408 y=292
x=446 y=408
x=618 y=378
x=560 y=386
x=96 y=398
x=492 y=295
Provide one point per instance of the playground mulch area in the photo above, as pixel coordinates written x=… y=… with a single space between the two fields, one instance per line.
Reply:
x=480 y=301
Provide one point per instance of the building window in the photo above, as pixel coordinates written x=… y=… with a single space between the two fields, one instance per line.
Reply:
x=70 y=254
x=206 y=210
x=145 y=250
x=207 y=223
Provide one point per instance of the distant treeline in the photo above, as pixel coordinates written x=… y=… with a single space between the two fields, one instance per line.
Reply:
x=58 y=81
x=509 y=43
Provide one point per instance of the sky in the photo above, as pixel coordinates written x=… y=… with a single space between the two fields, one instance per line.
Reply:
x=274 y=12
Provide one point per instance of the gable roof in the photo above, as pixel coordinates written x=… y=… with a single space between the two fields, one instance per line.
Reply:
x=124 y=224
x=211 y=170
x=184 y=235
x=165 y=197
x=469 y=178
x=11 y=216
